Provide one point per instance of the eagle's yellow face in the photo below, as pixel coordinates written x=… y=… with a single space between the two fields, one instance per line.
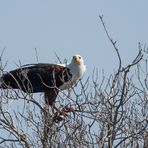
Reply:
x=77 y=58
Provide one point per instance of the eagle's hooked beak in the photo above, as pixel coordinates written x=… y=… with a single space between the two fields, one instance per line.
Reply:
x=77 y=58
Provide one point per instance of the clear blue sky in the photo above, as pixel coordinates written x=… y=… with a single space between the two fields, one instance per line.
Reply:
x=69 y=27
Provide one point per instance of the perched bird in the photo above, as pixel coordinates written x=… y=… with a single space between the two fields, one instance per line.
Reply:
x=47 y=78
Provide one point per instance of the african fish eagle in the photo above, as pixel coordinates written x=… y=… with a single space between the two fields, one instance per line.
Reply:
x=47 y=78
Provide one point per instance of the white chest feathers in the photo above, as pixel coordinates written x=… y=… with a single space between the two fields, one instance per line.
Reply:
x=77 y=71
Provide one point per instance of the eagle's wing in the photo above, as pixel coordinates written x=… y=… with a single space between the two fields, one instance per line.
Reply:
x=36 y=77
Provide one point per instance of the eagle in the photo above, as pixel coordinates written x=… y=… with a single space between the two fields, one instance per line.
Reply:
x=46 y=78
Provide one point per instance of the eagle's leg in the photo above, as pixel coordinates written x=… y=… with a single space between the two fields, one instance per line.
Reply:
x=57 y=114
x=54 y=108
x=50 y=97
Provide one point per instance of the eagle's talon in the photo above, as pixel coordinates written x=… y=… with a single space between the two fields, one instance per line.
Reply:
x=59 y=116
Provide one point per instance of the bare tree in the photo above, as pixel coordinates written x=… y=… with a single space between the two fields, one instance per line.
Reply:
x=112 y=112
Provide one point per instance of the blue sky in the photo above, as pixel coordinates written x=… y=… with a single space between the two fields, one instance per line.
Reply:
x=70 y=27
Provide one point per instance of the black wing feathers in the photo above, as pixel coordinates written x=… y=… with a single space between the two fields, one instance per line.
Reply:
x=36 y=77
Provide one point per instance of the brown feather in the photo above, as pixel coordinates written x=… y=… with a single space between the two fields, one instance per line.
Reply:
x=45 y=78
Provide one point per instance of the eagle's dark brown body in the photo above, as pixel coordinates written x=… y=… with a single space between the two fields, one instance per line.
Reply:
x=45 y=78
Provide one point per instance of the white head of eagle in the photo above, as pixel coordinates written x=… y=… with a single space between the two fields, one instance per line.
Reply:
x=43 y=77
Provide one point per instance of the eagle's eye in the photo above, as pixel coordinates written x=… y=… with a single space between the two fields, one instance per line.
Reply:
x=79 y=57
